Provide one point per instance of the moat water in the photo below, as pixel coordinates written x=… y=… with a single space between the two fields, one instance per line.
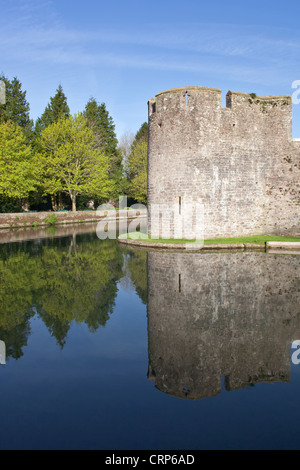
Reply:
x=103 y=347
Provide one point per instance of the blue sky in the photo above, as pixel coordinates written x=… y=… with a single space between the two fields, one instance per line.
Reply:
x=123 y=52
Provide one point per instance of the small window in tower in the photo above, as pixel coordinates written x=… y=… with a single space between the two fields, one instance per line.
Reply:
x=179 y=283
x=186 y=98
x=180 y=202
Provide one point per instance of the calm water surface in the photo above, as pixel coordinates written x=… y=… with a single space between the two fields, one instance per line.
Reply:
x=109 y=348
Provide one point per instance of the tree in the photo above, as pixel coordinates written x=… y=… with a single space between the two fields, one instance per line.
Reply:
x=71 y=162
x=141 y=135
x=103 y=128
x=125 y=145
x=136 y=166
x=135 y=270
x=57 y=108
x=137 y=172
x=18 y=169
x=16 y=107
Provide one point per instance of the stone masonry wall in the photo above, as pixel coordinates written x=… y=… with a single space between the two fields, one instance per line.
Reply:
x=240 y=162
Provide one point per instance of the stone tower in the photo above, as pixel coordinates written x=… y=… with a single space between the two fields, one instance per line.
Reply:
x=239 y=162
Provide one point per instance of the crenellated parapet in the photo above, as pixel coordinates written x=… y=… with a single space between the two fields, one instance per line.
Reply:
x=203 y=102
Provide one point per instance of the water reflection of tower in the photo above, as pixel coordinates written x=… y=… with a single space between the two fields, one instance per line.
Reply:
x=220 y=315
x=2 y=353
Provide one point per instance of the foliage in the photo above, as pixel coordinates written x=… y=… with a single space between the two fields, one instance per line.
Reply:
x=16 y=338
x=16 y=107
x=51 y=219
x=141 y=135
x=10 y=205
x=137 y=172
x=17 y=275
x=70 y=161
x=137 y=267
x=71 y=279
x=53 y=192
x=136 y=166
x=103 y=128
x=55 y=110
x=18 y=169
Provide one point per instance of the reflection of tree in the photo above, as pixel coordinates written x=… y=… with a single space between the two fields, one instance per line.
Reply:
x=80 y=285
x=65 y=281
x=135 y=270
x=16 y=338
x=18 y=271
x=17 y=274
x=57 y=327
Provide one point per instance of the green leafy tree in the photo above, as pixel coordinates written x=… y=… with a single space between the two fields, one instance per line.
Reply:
x=19 y=172
x=141 y=135
x=136 y=166
x=103 y=128
x=71 y=161
x=16 y=108
x=57 y=109
x=137 y=172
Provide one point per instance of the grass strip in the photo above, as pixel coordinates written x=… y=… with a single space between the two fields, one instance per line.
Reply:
x=257 y=239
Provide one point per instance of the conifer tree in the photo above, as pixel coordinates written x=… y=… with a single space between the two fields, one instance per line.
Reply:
x=56 y=109
x=16 y=107
x=136 y=166
x=141 y=135
x=103 y=128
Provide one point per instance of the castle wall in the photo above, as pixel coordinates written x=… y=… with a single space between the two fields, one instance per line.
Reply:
x=240 y=162
x=220 y=315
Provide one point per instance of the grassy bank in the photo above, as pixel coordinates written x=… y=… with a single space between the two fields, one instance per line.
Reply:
x=257 y=239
